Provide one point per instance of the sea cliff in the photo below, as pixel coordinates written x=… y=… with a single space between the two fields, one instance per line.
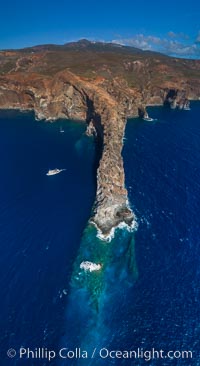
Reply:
x=104 y=99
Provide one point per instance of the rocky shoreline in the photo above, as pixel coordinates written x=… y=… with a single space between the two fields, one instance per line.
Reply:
x=105 y=106
x=77 y=100
x=111 y=206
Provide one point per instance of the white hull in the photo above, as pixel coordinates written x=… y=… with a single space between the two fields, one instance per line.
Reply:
x=54 y=171
x=149 y=119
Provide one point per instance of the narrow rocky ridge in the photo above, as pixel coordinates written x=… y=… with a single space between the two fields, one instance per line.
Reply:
x=111 y=207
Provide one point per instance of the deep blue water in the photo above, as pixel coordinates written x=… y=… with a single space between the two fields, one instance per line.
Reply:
x=162 y=164
x=41 y=222
x=148 y=294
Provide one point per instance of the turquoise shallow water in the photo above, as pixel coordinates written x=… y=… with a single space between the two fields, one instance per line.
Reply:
x=147 y=294
x=95 y=298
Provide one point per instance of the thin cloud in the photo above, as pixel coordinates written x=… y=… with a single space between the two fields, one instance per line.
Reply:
x=169 y=46
x=171 y=34
x=198 y=38
x=179 y=35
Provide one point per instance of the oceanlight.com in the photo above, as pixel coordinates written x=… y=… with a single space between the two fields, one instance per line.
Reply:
x=103 y=353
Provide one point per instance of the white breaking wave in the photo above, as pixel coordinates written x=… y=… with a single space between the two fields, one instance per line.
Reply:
x=90 y=266
x=111 y=235
x=121 y=225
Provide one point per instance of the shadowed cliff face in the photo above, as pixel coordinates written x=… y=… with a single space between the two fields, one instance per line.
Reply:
x=111 y=205
x=104 y=88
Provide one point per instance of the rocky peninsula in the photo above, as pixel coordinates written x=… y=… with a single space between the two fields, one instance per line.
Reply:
x=103 y=84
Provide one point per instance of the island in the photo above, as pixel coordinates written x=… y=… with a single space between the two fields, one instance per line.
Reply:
x=103 y=84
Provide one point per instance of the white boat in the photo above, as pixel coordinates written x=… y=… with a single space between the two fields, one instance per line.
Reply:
x=61 y=130
x=147 y=118
x=54 y=171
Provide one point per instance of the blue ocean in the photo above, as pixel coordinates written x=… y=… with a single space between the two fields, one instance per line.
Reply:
x=147 y=295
